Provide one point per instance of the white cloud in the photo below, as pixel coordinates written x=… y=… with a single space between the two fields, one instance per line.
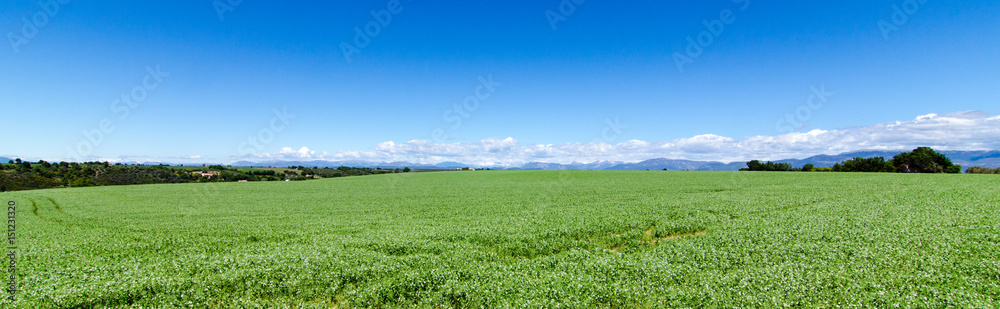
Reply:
x=287 y=153
x=971 y=130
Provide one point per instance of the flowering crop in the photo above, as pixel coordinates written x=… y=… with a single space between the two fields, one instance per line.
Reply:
x=517 y=239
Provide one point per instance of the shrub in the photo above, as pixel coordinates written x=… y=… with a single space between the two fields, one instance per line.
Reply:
x=84 y=182
x=982 y=170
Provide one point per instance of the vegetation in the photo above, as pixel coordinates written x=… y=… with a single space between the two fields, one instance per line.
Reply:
x=571 y=239
x=982 y=170
x=867 y=165
x=756 y=165
x=352 y=171
x=18 y=175
x=924 y=160
x=920 y=160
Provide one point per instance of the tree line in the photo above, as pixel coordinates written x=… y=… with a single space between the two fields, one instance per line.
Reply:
x=982 y=170
x=18 y=175
x=344 y=171
x=920 y=160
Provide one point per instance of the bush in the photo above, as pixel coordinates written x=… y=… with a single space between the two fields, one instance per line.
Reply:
x=84 y=182
x=982 y=170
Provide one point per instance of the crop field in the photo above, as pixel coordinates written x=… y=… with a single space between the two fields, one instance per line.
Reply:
x=577 y=239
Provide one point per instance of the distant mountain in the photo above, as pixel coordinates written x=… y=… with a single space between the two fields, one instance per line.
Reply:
x=572 y=166
x=319 y=163
x=450 y=165
x=5 y=160
x=659 y=164
x=990 y=159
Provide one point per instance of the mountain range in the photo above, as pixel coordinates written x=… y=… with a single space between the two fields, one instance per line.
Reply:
x=986 y=158
x=990 y=159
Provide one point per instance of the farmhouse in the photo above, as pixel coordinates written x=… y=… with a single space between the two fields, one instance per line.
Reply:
x=209 y=174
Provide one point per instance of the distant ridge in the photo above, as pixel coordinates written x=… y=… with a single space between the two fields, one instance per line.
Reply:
x=986 y=158
x=989 y=159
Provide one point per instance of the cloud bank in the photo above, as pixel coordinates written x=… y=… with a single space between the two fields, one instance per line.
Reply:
x=971 y=130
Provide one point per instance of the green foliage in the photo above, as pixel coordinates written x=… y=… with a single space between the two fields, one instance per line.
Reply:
x=808 y=167
x=920 y=160
x=923 y=160
x=28 y=176
x=982 y=170
x=353 y=171
x=568 y=239
x=867 y=165
x=756 y=165
x=83 y=182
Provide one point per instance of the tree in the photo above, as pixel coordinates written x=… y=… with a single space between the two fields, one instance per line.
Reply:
x=808 y=167
x=982 y=170
x=18 y=161
x=924 y=160
x=867 y=165
x=755 y=165
x=406 y=170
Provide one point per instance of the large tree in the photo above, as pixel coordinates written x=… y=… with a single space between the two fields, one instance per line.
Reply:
x=924 y=160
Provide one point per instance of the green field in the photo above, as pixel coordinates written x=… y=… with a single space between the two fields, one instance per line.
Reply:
x=517 y=239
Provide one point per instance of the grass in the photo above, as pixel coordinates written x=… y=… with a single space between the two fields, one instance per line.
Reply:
x=517 y=239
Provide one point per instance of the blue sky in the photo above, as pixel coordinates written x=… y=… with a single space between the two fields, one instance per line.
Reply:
x=564 y=81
